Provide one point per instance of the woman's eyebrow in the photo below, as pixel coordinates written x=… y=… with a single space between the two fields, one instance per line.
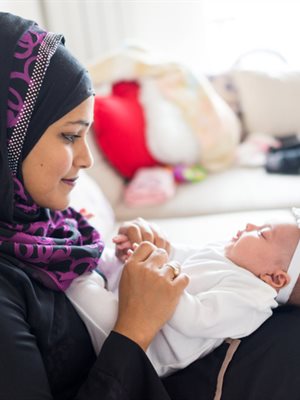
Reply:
x=79 y=122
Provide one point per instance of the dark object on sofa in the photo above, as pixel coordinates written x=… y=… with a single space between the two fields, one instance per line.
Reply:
x=286 y=158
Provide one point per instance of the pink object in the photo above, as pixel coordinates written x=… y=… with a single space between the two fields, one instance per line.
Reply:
x=150 y=186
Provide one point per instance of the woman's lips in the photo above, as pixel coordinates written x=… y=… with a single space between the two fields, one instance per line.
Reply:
x=70 y=182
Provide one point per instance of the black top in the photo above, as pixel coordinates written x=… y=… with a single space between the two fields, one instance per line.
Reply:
x=266 y=365
x=46 y=353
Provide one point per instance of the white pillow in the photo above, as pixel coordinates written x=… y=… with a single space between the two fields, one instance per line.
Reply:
x=269 y=101
x=88 y=195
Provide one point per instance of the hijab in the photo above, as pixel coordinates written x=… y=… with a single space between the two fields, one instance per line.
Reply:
x=40 y=82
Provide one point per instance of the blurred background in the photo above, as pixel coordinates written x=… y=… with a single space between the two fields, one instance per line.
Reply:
x=208 y=35
x=215 y=159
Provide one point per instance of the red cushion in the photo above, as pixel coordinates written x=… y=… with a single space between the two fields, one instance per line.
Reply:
x=119 y=127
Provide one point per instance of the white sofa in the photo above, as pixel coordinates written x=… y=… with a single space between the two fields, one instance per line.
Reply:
x=224 y=201
x=194 y=230
x=201 y=212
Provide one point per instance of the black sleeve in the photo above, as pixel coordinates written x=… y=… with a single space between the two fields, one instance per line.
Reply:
x=22 y=372
x=265 y=367
x=122 y=371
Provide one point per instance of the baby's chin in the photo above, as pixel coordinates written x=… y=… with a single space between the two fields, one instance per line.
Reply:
x=227 y=252
x=228 y=246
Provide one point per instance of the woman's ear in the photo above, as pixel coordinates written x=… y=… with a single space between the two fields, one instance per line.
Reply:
x=277 y=279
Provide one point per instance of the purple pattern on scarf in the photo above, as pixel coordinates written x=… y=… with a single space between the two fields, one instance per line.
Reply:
x=25 y=56
x=54 y=247
x=57 y=249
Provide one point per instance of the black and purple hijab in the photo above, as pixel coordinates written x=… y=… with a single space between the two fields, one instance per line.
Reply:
x=40 y=82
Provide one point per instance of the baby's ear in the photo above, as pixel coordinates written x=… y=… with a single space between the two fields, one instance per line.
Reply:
x=277 y=280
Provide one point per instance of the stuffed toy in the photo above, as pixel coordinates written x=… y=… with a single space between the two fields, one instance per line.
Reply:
x=160 y=113
x=119 y=127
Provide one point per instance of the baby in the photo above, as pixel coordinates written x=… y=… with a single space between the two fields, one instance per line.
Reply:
x=233 y=288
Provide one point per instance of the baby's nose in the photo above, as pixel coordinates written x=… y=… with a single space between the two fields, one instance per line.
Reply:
x=251 y=227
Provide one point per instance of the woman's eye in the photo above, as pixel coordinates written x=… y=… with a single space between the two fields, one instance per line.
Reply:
x=70 y=137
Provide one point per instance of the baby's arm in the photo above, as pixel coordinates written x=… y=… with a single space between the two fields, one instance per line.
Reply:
x=111 y=267
x=96 y=306
x=229 y=309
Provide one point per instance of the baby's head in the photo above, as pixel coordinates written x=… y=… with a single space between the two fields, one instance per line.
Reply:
x=269 y=252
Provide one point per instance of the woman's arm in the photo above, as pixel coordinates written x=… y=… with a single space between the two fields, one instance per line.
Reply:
x=148 y=294
x=31 y=316
x=22 y=369
x=122 y=371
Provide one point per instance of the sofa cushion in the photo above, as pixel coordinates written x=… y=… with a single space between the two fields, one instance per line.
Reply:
x=269 y=101
x=196 y=231
x=236 y=189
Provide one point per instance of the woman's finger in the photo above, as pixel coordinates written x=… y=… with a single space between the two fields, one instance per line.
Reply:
x=167 y=272
x=132 y=231
x=157 y=258
x=181 y=281
x=160 y=239
x=145 y=229
x=142 y=252
x=171 y=269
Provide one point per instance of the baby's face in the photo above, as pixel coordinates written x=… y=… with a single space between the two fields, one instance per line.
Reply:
x=262 y=249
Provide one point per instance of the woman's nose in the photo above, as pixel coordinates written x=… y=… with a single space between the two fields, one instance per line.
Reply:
x=84 y=158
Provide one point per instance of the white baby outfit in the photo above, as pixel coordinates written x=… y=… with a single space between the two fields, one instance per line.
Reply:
x=221 y=301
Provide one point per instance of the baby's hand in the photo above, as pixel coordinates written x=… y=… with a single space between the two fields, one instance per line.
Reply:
x=137 y=231
x=86 y=214
x=123 y=247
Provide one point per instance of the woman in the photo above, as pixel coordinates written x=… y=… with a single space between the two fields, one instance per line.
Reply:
x=46 y=110
x=46 y=353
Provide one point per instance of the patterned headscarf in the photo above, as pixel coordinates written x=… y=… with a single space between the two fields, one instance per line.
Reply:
x=40 y=82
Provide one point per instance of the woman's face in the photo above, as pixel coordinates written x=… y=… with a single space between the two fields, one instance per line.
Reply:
x=51 y=168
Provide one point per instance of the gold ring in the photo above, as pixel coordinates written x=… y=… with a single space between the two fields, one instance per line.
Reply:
x=175 y=266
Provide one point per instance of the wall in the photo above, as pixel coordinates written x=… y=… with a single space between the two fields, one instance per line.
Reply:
x=30 y=9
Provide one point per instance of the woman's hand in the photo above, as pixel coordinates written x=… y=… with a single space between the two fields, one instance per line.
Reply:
x=148 y=294
x=137 y=231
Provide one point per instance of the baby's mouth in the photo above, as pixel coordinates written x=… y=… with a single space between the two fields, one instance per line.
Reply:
x=237 y=236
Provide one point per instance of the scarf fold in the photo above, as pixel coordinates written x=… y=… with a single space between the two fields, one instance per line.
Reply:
x=40 y=82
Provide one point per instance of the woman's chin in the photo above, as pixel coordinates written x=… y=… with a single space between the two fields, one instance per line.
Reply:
x=59 y=204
